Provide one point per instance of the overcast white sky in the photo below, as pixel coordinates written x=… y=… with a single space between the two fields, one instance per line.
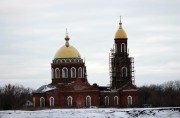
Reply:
x=31 y=31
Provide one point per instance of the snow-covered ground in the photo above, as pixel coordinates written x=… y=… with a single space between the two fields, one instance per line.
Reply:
x=95 y=113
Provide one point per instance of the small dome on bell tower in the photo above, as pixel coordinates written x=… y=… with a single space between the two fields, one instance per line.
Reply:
x=120 y=33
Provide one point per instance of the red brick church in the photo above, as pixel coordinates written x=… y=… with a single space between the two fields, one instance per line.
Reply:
x=70 y=86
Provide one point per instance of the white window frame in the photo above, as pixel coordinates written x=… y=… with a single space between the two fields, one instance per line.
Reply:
x=51 y=105
x=57 y=73
x=116 y=102
x=41 y=105
x=80 y=72
x=69 y=105
x=73 y=68
x=122 y=71
x=107 y=98
x=87 y=101
x=123 y=44
x=129 y=100
x=64 y=75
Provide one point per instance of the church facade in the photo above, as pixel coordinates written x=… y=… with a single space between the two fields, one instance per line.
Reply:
x=70 y=86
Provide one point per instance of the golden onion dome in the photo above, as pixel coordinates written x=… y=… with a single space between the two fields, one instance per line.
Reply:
x=120 y=33
x=67 y=51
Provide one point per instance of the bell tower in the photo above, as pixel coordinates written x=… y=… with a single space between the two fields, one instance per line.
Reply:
x=121 y=66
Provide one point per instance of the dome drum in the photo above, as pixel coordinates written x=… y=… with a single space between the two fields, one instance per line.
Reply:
x=71 y=60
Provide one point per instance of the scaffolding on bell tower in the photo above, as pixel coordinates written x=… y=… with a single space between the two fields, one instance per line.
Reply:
x=114 y=64
x=132 y=70
x=111 y=70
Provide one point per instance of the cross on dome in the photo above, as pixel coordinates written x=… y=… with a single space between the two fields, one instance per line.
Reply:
x=67 y=38
x=120 y=23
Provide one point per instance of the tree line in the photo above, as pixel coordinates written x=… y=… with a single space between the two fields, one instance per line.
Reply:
x=163 y=95
x=14 y=96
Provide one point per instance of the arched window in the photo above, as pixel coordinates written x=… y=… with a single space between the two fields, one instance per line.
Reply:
x=79 y=72
x=42 y=102
x=88 y=101
x=106 y=100
x=124 y=72
x=123 y=47
x=116 y=100
x=51 y=102
x=73 y=72
x=57 y=73
x=52 y=73
x=64 y=73
x=129 y=100
x=69 y=101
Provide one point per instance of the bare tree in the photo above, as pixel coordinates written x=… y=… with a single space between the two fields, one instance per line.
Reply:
x=164 y=95
x=14 y=96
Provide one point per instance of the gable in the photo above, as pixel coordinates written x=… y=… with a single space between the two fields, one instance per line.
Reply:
x=129 y=86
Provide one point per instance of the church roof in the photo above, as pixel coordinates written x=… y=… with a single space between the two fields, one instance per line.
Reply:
x=45 y=88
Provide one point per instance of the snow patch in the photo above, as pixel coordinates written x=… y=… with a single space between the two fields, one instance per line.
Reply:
x=96 y=113
x=45 y=88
